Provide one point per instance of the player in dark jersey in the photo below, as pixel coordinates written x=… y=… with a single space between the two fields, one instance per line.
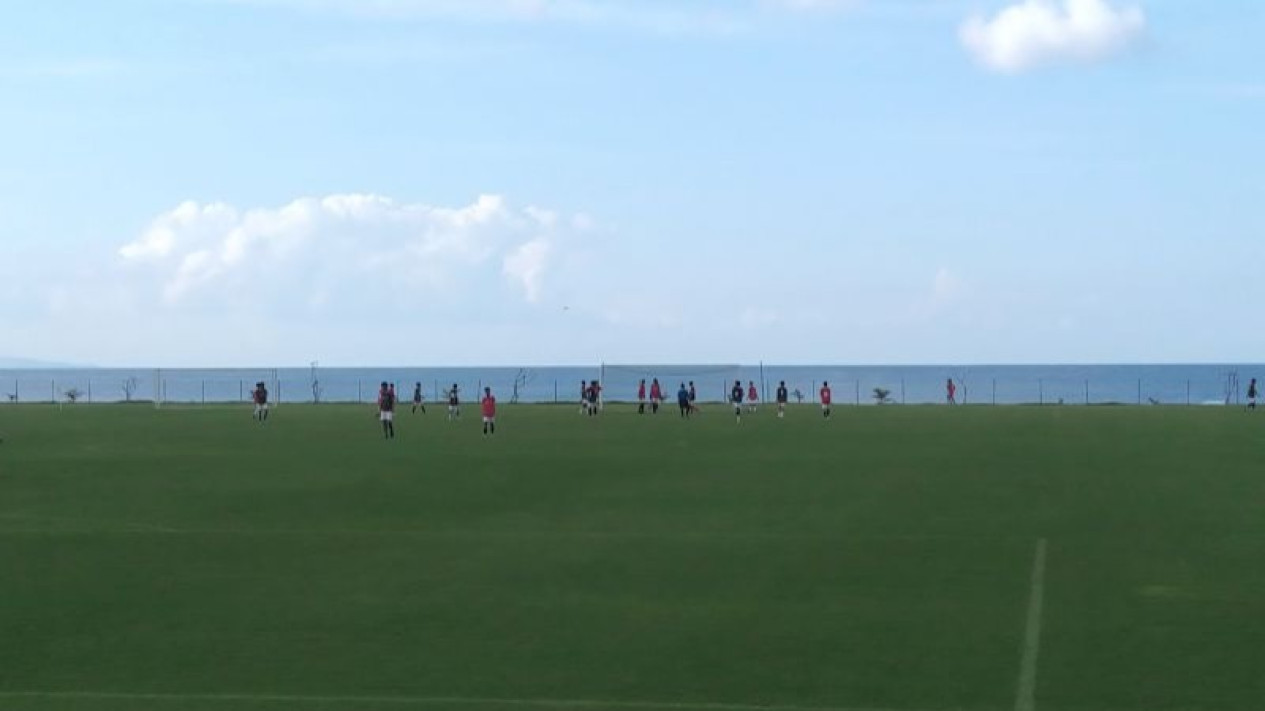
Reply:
x=1251 y=395
x=683 y=400
x=735 y=397
x=386 y=410
x=454 y=402
x=782 y=397
x=641 y=397
x=419 y=403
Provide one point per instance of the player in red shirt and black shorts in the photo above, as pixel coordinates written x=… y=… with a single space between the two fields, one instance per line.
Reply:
x=489 y=412
x=825 y=400
x=641 y=397
x=656 y=396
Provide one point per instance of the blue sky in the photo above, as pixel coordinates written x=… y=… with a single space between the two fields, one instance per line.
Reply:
x=233 y=182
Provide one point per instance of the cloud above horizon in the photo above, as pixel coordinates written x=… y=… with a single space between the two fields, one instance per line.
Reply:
x=357 y=249
x=1038 y=33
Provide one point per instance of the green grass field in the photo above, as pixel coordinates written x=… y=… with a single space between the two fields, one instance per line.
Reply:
x=190 y=559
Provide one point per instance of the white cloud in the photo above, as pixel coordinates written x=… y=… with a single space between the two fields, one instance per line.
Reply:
x=1036 y=33
x=526 y=265
x=352 y=249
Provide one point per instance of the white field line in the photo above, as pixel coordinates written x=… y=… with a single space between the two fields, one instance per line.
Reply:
x=1026 y=698
x=419 y=701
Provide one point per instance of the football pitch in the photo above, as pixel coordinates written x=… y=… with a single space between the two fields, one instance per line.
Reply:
x=902 y=558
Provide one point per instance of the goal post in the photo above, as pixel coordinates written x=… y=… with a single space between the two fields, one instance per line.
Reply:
x=711 y=382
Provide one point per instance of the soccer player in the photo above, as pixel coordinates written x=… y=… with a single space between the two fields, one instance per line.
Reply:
x=825 y=400
x=386 y=410
x=641 y=397
x=656 y=396
x=260 y=396
x=753 y=396
x=489 y=412
x=782 y=397
x=693 y=398
x=951 y=392
x=735 y=397
x=1251 y=395
x=683 y=399
x=418 y=401
x=594 y=396
x=584 y=397
x=454 y=403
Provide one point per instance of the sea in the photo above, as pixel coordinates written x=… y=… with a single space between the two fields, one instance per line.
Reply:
x=1177 y=384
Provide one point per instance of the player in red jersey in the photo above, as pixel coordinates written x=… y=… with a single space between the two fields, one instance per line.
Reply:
x=641 y=397
x=951 y=392
x=489 y=412
x=593 y=397
x=753 y=396
x=656 y=396
x=260 y=396
x=825 y=400
x=386 y=411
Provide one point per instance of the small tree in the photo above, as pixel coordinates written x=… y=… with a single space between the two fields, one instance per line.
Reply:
x=73 y=395
x=523 y=377
x=129 y=388
x=316 y=385
x=882 y=396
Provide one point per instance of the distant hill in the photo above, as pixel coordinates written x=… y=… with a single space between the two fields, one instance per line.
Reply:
x=32 y=364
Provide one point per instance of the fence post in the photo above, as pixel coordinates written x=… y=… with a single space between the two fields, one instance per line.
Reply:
x=203 y=392
x=858 y=392
x=555 y=391
x=902 y=391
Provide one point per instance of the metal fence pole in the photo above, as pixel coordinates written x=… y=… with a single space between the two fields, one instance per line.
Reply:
x=902 y=391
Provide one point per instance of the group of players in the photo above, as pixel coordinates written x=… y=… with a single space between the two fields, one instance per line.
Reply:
x=590 y=400
x=388 y=401
x=687 y=398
